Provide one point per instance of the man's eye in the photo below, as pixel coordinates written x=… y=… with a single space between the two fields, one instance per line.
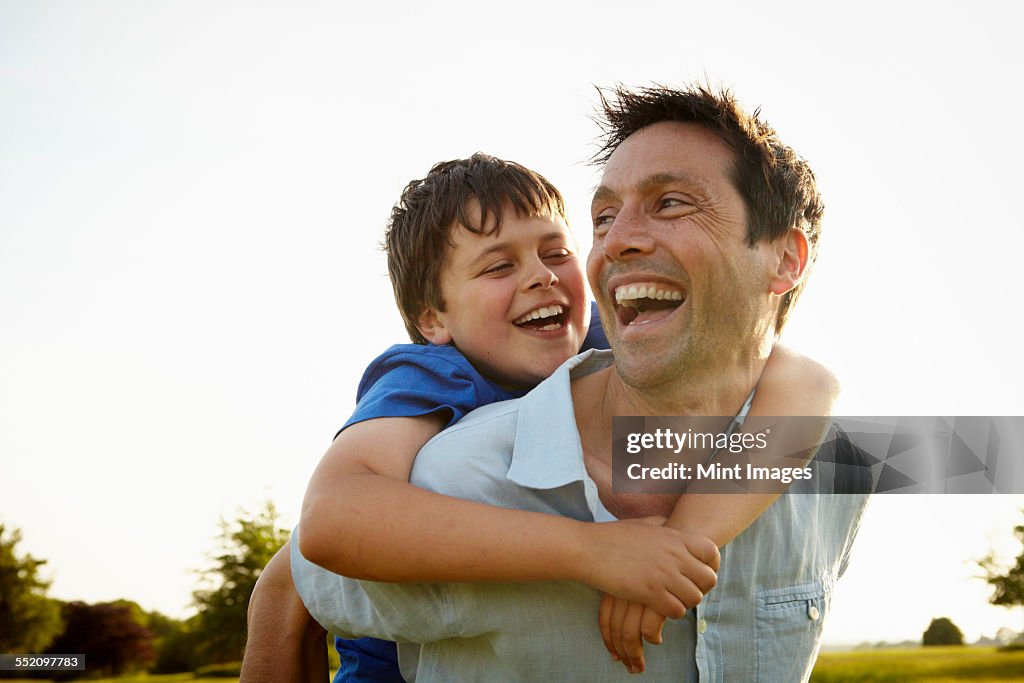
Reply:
x=603 y=221
x=673 y=202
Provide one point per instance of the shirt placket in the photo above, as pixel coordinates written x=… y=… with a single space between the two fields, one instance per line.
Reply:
x=708 y=651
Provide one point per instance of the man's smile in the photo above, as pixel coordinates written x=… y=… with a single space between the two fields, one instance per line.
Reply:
x=640 y=303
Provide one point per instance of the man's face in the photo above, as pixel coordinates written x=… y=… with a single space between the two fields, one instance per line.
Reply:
x=515 y=304
x=679 y=290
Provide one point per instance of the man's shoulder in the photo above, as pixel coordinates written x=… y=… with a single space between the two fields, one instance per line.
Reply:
x=492 y=417
x=476 y=453
x=503 y=416
x=848 y=466
x=481 y=443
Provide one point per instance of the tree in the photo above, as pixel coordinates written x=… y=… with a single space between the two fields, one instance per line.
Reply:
x=109 y=634
x=247 y=544
x=29 y=620
x=942 y=631
x=176 y=643
x=1008 y=587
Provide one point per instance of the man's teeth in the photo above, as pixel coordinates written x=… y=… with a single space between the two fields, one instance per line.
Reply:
x=633 y=292
x=542 y=312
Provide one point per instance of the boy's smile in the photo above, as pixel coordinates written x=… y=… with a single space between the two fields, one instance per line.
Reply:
x=514 y=301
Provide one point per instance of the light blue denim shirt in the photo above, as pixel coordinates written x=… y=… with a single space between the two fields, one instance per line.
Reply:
x=762 y=622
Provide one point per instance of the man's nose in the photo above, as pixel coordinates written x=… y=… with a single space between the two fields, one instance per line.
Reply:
x=628 y=235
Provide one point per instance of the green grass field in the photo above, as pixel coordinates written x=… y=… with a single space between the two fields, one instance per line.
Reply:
x=139 y=678
x=932 y=664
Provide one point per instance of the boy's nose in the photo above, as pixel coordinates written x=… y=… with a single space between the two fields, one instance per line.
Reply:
x=542 y=278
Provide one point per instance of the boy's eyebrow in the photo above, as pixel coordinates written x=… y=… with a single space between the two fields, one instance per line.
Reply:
x=604 y=193
x=501 y=246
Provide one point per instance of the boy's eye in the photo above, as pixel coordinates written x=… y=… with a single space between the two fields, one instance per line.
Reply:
x=556 y=254
x=497 y=268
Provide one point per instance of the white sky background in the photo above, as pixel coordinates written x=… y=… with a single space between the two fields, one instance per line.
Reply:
x=191 y=194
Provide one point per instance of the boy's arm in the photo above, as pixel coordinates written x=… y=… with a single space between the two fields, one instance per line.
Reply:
x=790 y=385
x=361 y=518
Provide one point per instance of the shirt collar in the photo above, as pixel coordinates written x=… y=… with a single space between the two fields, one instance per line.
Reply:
x=547 y=451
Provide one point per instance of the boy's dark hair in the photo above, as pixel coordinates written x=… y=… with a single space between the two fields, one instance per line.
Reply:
x=777 y=186
x=419 y=233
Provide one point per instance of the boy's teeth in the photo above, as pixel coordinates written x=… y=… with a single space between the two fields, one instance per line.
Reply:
x=646 y=291
x=542 y=312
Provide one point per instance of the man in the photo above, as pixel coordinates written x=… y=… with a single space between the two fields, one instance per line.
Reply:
x=699 y=199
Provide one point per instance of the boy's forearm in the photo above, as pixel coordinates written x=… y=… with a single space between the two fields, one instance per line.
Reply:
x=427 y=537
x=719 y=516
x=793 y=401
x=382 y=529
x=706 y=510
x=363 y=519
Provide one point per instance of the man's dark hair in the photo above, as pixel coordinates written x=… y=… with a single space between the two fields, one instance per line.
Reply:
x=419 y=233
x=777 y=186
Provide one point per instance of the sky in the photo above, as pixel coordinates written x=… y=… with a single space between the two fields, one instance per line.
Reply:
x=192 y=195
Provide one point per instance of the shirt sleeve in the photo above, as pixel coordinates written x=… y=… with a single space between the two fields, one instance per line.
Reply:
x=401 y=612
x=421 y=381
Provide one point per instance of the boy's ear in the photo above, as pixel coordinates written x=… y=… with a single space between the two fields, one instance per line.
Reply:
x=432 y=327
x=791 y=252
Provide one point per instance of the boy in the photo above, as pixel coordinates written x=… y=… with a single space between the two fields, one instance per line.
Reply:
x=489 y=286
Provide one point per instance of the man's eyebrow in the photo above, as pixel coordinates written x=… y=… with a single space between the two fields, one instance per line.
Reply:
x=658 y=179
x=655 y=180
x=602 y=193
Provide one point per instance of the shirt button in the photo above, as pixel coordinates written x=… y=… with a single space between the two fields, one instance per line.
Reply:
x=702 y=626
x=813 y=613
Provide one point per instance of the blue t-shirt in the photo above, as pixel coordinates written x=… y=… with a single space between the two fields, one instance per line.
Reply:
x=409 y=380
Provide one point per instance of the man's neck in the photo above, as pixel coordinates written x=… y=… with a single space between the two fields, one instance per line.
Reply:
x=719 y=392
x=602 y=395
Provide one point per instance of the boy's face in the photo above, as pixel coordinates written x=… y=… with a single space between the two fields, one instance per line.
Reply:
x=515 y=301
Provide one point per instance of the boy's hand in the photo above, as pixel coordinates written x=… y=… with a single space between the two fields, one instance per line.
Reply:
x=625 y=626
x=662 y=568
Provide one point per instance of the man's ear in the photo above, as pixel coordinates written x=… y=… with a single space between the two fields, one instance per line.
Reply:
x=432 y=327
x=791 y=252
